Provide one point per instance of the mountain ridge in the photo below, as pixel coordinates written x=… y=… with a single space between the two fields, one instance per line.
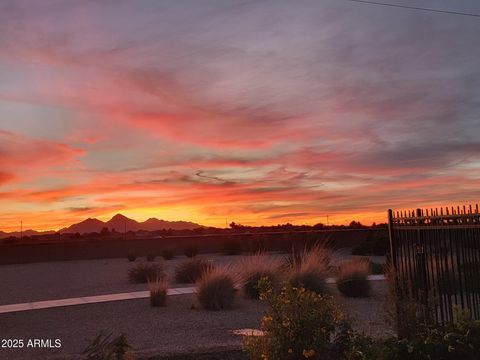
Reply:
x=119 y=222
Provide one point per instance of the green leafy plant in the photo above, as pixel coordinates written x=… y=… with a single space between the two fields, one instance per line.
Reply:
x=216 y=289
x=104 y=347
x=191 y=270
x=145 y=272
x=158 y=292
x=459 y=340
x=300 y=324
x=352 y=278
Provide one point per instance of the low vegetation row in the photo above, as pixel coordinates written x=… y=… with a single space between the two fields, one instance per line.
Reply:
x=217 y=286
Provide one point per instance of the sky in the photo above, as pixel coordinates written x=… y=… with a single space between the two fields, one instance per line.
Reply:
x=213 y=111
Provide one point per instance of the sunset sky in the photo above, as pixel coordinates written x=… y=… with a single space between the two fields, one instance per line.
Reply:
x=258 y=112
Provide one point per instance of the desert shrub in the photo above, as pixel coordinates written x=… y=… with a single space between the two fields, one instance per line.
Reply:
x=103 y=347
x=300 y=324
x=377 y=268
x=459 y=340
x=232 y=247
x=151 y=257
x=131 y=257
x=255 y=267
x=190 y=251
x=191 y=270
x=309 y=268
x=352 y=278
x=145 y=272
x=373 y=245
x=216 y=289
x=158 y=292
x=168 y=254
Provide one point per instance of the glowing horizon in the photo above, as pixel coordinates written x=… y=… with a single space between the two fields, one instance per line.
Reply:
x=259 y=113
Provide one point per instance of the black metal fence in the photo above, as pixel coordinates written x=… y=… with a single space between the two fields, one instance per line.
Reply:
x=436 y=257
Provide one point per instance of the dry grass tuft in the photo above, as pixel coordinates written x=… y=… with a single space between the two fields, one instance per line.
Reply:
x=352 y=278
x=252 y=268
x=309 y=268
x=145 y=272
x=189 y=271
x=158 y=292
x=216 y=289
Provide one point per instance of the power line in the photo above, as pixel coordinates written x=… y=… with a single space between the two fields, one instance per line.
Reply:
x=415 y=8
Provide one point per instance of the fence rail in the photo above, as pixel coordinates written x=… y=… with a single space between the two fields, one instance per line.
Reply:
x=436 y=257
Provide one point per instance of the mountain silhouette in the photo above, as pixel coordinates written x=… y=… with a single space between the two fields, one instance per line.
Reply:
x=121 y=223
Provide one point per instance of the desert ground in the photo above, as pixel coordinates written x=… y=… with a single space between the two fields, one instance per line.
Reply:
x=177 y=328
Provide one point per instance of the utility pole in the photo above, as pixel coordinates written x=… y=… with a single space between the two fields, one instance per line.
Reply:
x=327 y=220
x=21 y=229
x=125 y=230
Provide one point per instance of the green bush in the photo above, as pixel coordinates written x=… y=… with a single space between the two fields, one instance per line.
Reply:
x=191 y=270
x=103 y=347
x=168 y=254
x=145 y=272
x=300 y=324
x=131 y=257
x=352 y=278
x=216 y=289
x=460 y=340
x=190 y=251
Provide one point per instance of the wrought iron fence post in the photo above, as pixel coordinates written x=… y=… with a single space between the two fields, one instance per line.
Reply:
x=393 y=268
x=421 y=267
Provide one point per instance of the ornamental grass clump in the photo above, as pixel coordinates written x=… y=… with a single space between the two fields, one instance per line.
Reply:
x=352 y=278
x=216 y=289
x=145 y=272
x=299 y=324
x=252 y=268
x=158 y=292
x=189 y=271
x=309 y=268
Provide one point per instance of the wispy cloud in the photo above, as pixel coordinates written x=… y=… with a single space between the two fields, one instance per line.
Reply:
x=257 y=111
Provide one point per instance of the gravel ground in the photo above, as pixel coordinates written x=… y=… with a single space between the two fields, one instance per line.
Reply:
x=77 y=278
x=172 y=329
x=160 y=331
x=368 y=315
x=175 y=329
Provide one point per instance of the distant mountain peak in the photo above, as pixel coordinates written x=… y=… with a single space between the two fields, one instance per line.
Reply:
x=122 y=223
x=119 y=217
